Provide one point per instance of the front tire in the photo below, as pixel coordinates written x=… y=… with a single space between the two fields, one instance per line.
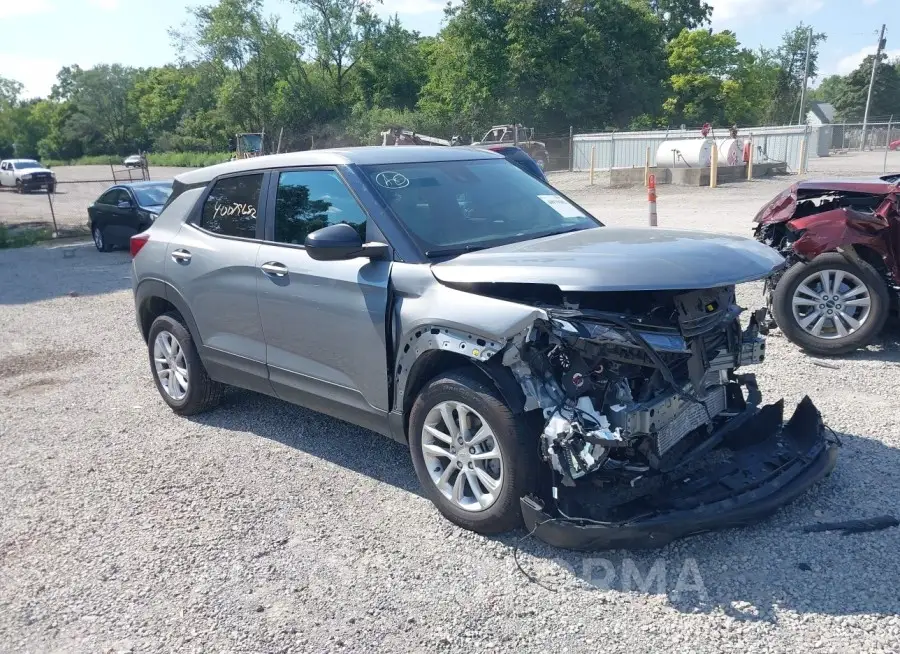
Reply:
x=831 y=306
x=100 y=241
x=472 y=455
x=178 y=372
x=20 y=188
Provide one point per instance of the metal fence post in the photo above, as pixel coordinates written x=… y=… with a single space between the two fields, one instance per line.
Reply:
x=714 y=166
x=593 y=150
x=802 y=155
x=750 y=158
x=612 y=148
x=571 y=149
x=52 y=213
x=887 y=144
x=647 y=168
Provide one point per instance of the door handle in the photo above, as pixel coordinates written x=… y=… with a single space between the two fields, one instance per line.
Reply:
x=274 y=269
x=181 y=256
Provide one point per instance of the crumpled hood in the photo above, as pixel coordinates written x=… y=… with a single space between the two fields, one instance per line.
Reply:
x=618 y=259
x=781 y=208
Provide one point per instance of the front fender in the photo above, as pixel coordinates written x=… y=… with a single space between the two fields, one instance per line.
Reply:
x=430 y=316
x=830 y=230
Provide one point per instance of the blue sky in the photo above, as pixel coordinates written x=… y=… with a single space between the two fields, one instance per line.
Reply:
x=37 y=37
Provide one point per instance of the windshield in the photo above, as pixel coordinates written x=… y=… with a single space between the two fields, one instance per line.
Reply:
x=23 y=165
x=459 y=206
x=150 y=196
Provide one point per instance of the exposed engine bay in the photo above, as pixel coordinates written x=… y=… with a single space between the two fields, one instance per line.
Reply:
x=636 y=402
x=619 y=392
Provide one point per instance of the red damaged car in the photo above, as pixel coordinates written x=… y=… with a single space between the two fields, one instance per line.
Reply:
x=841 y=239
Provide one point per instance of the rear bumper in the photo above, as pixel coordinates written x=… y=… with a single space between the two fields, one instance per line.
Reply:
x=772 y=465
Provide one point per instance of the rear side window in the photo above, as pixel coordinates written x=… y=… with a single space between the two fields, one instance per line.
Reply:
x=232 y=206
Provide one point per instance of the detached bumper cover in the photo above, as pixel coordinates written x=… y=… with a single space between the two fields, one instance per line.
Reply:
x=761 y=465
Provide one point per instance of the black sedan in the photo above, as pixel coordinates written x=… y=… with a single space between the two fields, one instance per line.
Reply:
x=125 y=210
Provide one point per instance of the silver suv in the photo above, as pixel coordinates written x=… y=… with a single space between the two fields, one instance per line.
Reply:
x=538 y=364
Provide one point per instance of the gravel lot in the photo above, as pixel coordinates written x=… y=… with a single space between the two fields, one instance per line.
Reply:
x=77 y=187
x=263 y=527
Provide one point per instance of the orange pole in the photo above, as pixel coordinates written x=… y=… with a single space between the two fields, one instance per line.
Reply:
x=651 y=197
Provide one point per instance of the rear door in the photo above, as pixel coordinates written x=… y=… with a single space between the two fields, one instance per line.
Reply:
x=324 y=321
x=212 y=264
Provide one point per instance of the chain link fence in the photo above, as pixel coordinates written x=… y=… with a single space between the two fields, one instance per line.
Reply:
x=849 y=136
x=64 y=211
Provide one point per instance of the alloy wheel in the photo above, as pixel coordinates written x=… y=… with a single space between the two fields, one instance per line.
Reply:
x=171 y=365
x=462 y=455
x=98 y=238
x=831 y=304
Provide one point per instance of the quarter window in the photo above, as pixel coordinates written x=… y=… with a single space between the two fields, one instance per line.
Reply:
x=232 y=206
x=308 y=200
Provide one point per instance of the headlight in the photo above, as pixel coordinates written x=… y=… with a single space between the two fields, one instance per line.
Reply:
x=26 y=176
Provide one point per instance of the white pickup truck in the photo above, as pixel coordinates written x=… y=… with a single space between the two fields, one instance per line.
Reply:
x=26 y=175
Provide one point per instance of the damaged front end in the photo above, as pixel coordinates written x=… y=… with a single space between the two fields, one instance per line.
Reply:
x=649 y=434
x=811 y=218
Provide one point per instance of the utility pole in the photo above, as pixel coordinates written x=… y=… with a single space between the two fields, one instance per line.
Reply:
x=805 y=76
x=881 y=44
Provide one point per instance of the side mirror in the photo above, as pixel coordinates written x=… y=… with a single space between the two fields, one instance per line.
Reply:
x=341 y=242
x=124 y=204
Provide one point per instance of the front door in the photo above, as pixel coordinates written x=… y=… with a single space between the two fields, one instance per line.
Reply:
x=212 y=264
x=324 y=321
x=6 y=174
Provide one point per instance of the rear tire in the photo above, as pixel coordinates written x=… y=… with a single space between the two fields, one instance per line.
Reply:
x=783 y=299
x=510 y=442
x=202 y=393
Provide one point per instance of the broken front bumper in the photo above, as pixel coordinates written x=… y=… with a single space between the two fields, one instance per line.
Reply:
x=757 y=465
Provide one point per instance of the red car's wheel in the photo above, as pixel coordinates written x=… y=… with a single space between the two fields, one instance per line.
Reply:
x=830 y=305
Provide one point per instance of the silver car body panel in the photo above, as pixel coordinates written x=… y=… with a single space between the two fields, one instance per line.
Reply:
x=324 y=324
x=618 y=259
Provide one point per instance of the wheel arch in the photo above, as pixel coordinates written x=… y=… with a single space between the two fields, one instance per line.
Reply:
x=154 y=298
x=435 y=362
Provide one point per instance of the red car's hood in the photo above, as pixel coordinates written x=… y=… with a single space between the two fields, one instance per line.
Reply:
x=781 y=208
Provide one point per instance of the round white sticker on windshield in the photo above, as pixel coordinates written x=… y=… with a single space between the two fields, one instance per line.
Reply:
x=390 y=179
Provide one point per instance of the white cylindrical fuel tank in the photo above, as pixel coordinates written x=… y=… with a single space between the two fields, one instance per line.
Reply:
x=729 y=152
x=684 y=153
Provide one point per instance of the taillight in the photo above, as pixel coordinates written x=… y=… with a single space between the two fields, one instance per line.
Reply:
x=137 y=242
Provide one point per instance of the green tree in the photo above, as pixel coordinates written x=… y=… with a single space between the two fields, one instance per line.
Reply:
x=791 y=58
x=10 y=90
x=850 y=98
x=704 y=67
x=550 y=63
x=829 y=90
x=391 y=66
x=333 y=30
x=677 y=15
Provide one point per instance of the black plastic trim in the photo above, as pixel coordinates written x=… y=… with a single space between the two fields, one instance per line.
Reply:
x=656 y=530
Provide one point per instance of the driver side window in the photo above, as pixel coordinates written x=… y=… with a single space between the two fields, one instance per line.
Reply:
x=308 y=200
x=110 y=197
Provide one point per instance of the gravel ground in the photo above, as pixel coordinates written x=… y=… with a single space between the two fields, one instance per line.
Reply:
x=263 y=527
